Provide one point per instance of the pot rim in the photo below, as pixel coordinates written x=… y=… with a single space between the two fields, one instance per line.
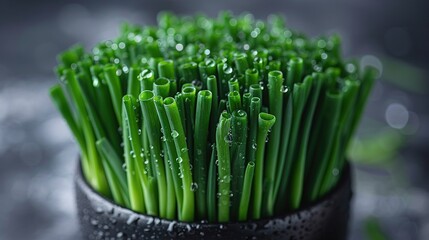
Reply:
x=344 y=182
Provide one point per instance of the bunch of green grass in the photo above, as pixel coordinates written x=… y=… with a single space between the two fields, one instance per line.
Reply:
x=225 y=119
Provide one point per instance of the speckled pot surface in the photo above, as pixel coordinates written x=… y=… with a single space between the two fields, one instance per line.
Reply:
x=326 y=219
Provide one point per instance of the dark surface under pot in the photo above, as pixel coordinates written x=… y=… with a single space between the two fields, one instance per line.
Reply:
x=325 y=219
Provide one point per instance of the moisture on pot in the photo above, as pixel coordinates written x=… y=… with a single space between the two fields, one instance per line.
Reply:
x=219 y=120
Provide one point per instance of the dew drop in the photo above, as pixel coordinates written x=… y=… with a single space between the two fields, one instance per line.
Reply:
x=194 y=187
x=227 y=138
x=174 y=134
x=284 y=89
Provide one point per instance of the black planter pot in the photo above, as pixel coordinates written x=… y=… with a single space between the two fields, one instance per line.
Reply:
x=326 y=219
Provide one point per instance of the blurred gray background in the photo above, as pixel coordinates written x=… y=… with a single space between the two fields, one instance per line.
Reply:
x=38 y=156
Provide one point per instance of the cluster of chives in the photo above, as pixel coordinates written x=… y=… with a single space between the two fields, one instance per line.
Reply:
x=224 y=119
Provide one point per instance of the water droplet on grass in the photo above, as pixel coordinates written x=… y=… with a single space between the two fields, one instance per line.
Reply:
x=174 y=134
x=194 y=187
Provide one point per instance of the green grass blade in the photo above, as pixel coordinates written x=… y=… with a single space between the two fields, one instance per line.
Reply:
x=115 y=89
x=151 y=201
x=275 y=94
x=178 y=134
x=99 y=181
x=200 y=170
x=135 y=188
x=312 y=87
x=171 y=151
x=265 y=123
x=153 y=130
x=251 y=77
x=114 y=172
x=234 y=101
x=211 y=187
x=246 y=192
x=224 y=166
x=238 y=158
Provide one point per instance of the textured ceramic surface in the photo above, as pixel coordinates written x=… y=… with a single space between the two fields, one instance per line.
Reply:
x=325 y=219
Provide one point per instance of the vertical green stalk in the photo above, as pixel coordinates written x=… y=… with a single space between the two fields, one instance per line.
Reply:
x=200 y=170
x=188 y=72
x=146 y=78
x=171 y=191
x=256 y=91
x=275 y=96
x=179 y=138
x=238 y=157
x=189 y=98
x=233 y=85
x=133 y=82
x=99 y=181
x=241 y=64
x=351 y=90
x=368 y=79
x=114 y=172
x=106 y=112
x=171 y=151
x=161 y=87
x=286 y=131
x=60 y=101
x=153 y=129
x=151 y=201
x=265 y=123
x=234 y=101
x=224 y=166
x=251 y=77
x=135 y=188
x=206 y=68
x=329 y=172
x=312 y=89
x=246 y=192
x=295 y=71
x=166 y=69
x=299 y=100
x=211 y=187
x=332 y=173
x=255 y=106
x=225 y=73
x=115 y=89
x=330 y=110
x=213 y=88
